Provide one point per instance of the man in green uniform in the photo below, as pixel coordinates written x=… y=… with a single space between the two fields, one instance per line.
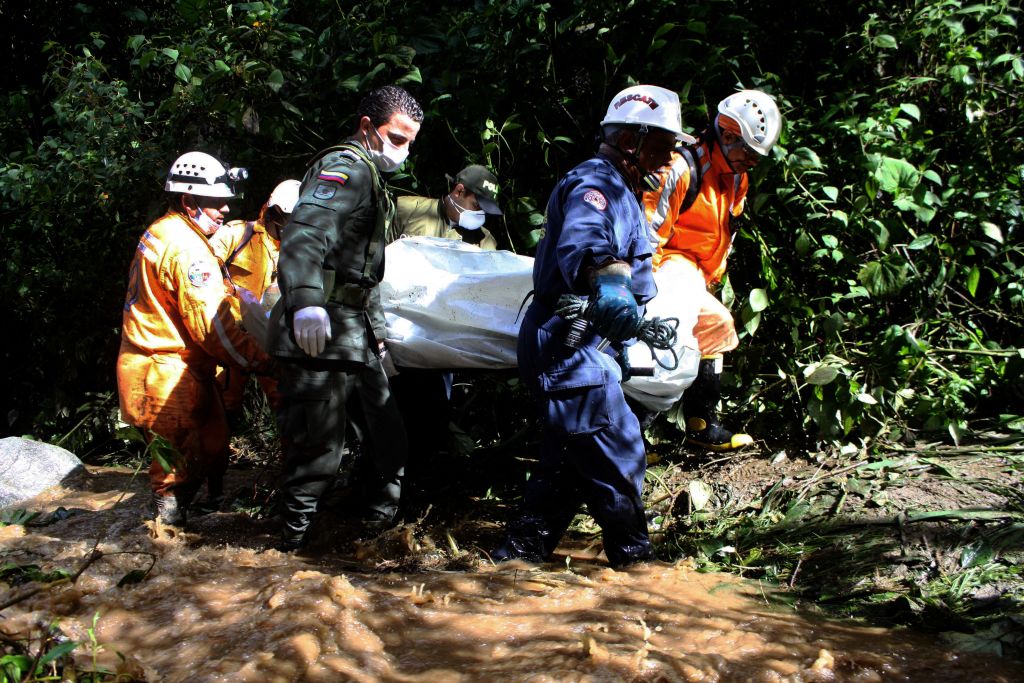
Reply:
x=424 y=395
x=459 y=215
x=328 y=328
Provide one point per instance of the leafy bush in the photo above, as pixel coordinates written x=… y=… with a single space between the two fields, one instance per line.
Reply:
x=877 y=280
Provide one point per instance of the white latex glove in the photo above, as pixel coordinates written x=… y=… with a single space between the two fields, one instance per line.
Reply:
x=312 y=329
x=247 y=297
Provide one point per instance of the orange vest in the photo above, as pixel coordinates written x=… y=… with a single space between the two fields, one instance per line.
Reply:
x=254 y=266
x=177 y=301
x=700 y=234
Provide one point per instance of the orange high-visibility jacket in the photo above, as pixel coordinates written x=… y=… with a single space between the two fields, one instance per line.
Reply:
x=254 y=266
x=700 y=234
x=177 y=301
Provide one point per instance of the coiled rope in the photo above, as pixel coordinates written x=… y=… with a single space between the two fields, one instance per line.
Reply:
x=659 y=334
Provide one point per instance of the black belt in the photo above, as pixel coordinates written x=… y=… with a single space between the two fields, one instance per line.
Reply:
x=348 y=294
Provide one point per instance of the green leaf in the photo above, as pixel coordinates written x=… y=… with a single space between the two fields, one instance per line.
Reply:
x=831 y=192
x=803 y=243
x=57 y=652
x=758 y=300
x=882 y=278
x=959 y=73
x=972 y=280
x=921 y=241
x=896 y=174
x=133 y=577
x=819 y=374
x=804 y=157
x=171 y=53
x=992 y=231
x=135 y=42
x=885 y=41
x=275 y=80
x=752 y=323
x=911 y=110
x=183 y=72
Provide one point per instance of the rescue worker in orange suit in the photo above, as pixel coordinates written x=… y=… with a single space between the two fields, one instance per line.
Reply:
x=702 y=192
x=249 y=250
x=177 y=326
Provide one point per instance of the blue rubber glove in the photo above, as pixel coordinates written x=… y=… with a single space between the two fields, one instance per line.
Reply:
x=612 y=310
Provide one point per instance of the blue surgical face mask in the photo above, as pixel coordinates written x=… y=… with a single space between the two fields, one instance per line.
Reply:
x=468 y=218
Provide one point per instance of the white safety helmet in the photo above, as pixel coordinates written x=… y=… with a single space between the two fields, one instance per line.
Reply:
x=202 y=175
x=285 y=196
x=758 y=117
x=647 y=105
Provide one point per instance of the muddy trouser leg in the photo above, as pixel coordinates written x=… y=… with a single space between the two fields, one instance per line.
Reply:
x=610 y=465
x=385 y=444
x=604 y=454
x=552 y=499
x=312 y=424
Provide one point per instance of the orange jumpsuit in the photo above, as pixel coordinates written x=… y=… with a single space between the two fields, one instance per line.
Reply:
x=252 y=266
x=176 y=327
x=695 y=244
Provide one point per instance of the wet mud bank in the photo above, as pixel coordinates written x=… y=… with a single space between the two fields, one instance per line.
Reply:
x=218 y=605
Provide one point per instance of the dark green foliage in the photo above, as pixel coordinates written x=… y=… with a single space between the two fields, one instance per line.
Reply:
x=877 y=281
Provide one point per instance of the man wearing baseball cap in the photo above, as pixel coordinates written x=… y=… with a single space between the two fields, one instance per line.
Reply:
x=459 y=215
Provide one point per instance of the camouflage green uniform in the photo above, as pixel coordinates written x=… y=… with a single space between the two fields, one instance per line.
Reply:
x=332 y=255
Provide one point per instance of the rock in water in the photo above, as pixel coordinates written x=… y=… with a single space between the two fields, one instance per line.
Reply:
x=27 y=468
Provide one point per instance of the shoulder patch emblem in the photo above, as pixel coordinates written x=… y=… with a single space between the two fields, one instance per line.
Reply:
x=199 y=273
x=333 y=177
x=323 y=191
x=596 y=199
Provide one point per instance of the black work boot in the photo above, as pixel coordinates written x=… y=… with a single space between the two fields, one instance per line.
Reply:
x=527 y=538
x=293 y=532
x=214 y=499
x=700 y=405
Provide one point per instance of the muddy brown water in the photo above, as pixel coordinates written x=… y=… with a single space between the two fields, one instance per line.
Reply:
x=219 y=607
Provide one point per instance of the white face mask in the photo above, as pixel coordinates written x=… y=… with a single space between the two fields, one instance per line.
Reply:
x=205 y=223
x=391 y=158
x=468 y=219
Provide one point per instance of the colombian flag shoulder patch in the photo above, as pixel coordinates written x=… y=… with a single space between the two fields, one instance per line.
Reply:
x=333 y=176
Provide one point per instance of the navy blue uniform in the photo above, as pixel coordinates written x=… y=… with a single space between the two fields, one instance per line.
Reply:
x=592 y=449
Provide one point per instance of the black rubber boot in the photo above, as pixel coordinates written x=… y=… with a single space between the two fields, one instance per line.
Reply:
x=528 y=538
x=214 y=499
x=700 y=405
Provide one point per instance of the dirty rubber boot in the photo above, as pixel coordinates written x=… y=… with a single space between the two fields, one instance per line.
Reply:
x=293 y=534
x=700 y=405
x=169 y=511
x=527 y=539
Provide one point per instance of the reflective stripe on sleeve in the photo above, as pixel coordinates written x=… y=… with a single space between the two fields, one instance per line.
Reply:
x=226 y=343
x=675 y=172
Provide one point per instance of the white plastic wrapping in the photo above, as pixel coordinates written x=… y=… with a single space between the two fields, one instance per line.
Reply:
x=662 y=390
x=452 y=305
